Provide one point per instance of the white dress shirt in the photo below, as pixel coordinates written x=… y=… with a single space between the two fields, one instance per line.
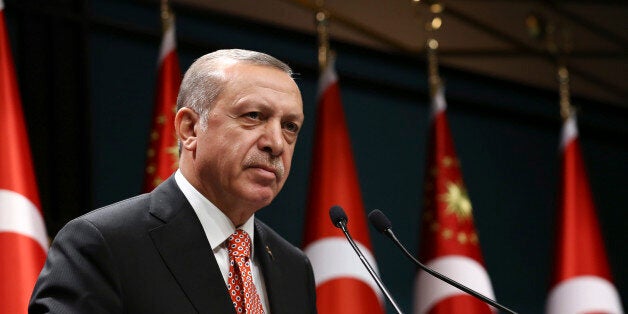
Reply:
x=218 y=227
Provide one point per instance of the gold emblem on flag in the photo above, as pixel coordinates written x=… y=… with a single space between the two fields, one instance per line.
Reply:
x=448 y=161
x=174 y=153
x=457 y=201
x=447 y=233
x=161 y=119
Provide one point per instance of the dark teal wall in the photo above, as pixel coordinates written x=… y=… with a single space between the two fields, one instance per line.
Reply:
x=506 y=136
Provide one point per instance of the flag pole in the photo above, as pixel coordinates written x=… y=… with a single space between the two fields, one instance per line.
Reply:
x=434 y=23
x=167 y=16
x=558 y=43
x=322 y=29
x=432 y=66
x=566 y=110
x=561 y=49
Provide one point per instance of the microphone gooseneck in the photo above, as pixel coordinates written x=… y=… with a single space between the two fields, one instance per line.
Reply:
x=383 y=225
x=339 y=219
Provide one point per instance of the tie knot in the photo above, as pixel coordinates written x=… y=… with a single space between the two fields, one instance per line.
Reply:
x=239 y=244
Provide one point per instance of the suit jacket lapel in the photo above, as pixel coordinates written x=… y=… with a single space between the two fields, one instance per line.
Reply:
x=270 y=269
x=183 y=247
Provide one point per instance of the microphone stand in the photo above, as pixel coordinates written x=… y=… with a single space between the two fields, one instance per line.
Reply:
x=343 y=225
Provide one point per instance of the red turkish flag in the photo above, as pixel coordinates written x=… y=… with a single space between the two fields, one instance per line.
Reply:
x=449 y=241
x=162 y=157
x=582 y=280
x=343 y=284
x=23 y=238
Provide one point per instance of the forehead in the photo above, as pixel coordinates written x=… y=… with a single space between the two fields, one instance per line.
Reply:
x=261 y=75
x=242 y=79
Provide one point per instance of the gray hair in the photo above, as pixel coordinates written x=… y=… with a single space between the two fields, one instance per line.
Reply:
x=205 y=78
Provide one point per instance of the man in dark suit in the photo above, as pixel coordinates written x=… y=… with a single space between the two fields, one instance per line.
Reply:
x=168 y=251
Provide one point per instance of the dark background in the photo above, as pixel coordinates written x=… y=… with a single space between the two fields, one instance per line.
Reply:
x=87 y=70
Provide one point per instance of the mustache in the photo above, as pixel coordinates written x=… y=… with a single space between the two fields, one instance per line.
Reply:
x=267 y=162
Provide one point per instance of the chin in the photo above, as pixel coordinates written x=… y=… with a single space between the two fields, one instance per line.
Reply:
x=260 y=197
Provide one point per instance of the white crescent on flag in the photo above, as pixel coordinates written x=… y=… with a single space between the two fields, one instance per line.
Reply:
x=327 y=78
x=466 y=271
x=168 y=43
x=595 y=294
x=20 y=215
x=334 y=258
x=570 y=132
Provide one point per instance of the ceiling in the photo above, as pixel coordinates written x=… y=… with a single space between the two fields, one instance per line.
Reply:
x=483 y=36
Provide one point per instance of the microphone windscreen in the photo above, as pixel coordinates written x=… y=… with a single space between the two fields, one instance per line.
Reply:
x=337 y=215
x=379 y=221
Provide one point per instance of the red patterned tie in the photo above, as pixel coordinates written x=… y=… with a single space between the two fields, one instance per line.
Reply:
x=240 y=281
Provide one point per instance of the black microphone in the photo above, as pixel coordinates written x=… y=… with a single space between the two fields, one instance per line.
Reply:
x=383 y=225
x=339 y=219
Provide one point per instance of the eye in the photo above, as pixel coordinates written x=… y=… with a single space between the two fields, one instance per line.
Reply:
x=291 y=127
x=253 y=115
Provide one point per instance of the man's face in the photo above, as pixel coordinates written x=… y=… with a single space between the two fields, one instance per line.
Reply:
x=244 y=152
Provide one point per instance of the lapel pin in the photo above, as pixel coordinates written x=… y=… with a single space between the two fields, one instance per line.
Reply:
x=270 y=253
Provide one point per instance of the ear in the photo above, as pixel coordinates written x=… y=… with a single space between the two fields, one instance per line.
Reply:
x=185 y=127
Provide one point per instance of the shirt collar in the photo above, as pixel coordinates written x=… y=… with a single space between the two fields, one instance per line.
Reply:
x=217 y=226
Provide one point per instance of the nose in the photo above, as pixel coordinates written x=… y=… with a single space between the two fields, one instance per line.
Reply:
x=272 y=141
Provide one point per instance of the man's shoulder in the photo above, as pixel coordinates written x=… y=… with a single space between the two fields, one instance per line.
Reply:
x=133 y=210
x=123 y=212
x=122 y=208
